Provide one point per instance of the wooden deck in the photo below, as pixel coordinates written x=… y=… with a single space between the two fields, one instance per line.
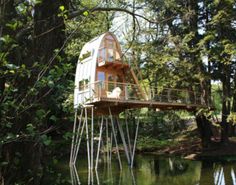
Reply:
x=117 y=106
x=129 y=97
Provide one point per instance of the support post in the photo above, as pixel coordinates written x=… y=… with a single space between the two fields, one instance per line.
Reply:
x=99 y=143
x=107 y=142
x=110 y=153
x=73 y=137
x=128 y=136
x=123 y=140
x=97 y=177
x=78 y=144
x=75 y=152
x=114 y=134
x=87 y=137
x=92 y=126
x=135 y=141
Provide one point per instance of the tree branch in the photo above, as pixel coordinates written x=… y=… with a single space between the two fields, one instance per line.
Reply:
x=97 y=9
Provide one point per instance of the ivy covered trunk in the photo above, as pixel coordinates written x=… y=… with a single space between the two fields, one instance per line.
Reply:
x=23 y=153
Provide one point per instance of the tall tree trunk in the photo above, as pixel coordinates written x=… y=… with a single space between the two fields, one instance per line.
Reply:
x=49 y=30
x=7 y=14
x=225 y=103
x=48 y=35
x=204 y=128
x=232 y=129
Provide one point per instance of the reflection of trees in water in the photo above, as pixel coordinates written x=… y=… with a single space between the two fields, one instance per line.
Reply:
x=218 y=173
x=170 y=166
x=160 y=171
x=177 y=167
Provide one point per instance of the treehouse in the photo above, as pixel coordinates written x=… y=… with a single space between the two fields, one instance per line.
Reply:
x=106 y=85
x=103 y=79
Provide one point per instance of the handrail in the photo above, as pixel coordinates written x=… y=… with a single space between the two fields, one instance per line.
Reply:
x=128 y=91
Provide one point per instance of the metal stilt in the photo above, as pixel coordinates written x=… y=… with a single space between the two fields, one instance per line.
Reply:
x=80 y=137
x=123 y=140
x=97 y=177
x=75 y=152
x=92 y=126
x=73 y=138
x=72 y=175
x=133 y=178
x=89 y=177
x=107 y=140
x=128 y=136
x=108 y=124
x=87 y=138
x=135 y=141
x=114 y=134
x=76 y=175
x=99 y=143
x=110 y=153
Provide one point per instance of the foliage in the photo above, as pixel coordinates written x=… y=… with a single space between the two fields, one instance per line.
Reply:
x=148 y=143
x=187 y=44
x=232 y=118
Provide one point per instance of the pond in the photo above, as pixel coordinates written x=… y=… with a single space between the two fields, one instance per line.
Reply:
x=148 y=170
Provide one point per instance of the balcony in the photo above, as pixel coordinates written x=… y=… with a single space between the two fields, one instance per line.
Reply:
x=105 y=93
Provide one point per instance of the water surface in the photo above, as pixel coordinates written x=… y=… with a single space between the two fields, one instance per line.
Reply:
x=148 y=170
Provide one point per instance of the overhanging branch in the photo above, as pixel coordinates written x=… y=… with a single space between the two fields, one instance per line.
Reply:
x=97 y=9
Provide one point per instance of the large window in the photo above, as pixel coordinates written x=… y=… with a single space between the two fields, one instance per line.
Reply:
x=108 y=51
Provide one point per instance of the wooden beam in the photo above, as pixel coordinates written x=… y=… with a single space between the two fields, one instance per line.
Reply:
x=144 y=95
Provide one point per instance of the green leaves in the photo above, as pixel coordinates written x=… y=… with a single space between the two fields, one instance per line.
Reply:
x=232 y=118
x=63 y=12
x=46 y=140
x=62 y=8
x=86 y=13
x=30 y=129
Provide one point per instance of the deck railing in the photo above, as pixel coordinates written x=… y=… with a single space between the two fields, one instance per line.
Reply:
x=127 y=91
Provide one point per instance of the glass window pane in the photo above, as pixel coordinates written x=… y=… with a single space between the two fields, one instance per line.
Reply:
x=101 y=55
x=110 y=44
x=110 y=55
x=109 y=37
x=81 y=85
x=101 y=76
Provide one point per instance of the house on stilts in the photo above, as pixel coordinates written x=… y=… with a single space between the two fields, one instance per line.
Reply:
x=105 y=85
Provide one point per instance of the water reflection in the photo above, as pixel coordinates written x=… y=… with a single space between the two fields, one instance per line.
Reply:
x=218 y=173
x=107 y=174
x=152 y=170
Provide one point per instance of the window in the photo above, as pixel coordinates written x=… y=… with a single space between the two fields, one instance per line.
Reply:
x=101 y=56
x=83 y=84
x=108 y=51
x=101 y=76
x=110 y=44
x=110 y=55
x=86 y=56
